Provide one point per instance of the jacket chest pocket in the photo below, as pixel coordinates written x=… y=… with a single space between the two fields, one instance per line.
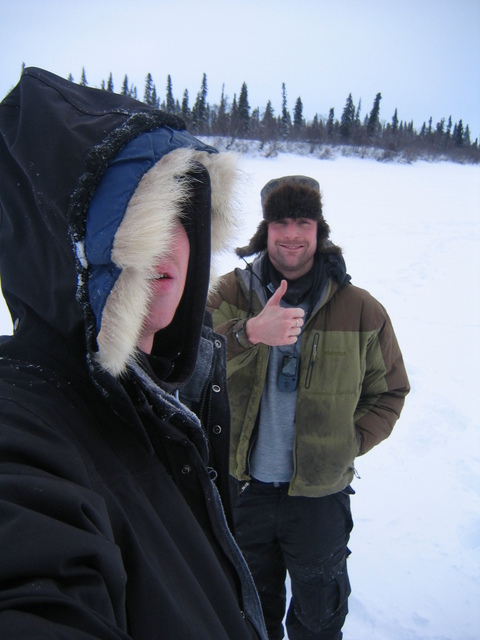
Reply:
x=333 y=363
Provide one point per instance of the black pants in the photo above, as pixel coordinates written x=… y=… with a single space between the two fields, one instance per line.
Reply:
x=307 y=537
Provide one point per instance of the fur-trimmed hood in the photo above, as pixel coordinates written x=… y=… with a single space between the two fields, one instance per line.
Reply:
x=129 y=226
x=91 y=184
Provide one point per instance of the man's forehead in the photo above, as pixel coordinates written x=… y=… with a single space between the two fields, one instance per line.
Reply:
x=288 y=220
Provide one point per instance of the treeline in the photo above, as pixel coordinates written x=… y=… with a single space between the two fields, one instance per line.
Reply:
x=239 y=121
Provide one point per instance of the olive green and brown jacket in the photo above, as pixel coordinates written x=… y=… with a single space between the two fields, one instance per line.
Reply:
x=352 y=382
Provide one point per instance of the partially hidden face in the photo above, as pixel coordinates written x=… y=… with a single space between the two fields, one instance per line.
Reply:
x=291 y=245
x=167 y=285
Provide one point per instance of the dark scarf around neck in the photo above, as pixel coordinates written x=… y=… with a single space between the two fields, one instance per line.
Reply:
x=311 y=284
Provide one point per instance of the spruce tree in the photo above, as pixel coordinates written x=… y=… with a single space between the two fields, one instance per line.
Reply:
x=395 y=123
x=331 y=123
x=83 y=80
x=148 y=92
x=347 y=121
x=222 y=115
x=170 y=102
x=458 y=133
x=268 y=124
x=448 y=132
x=185 y=107
x=199 y=111
x=154 y=98
x=234 y=117
x=317 y=130
x=243 y=112
x=298 y=120
x=441 y=127
x=125 y=91
x=285 y=118
x=440 y=133
x=358 y=124
x=373 y=125
x=255 y=124
x=110 y=83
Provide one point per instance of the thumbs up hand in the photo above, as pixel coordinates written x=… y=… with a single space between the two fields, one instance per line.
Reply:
x=275 y=325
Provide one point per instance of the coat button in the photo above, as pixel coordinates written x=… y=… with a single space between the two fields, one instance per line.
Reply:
x=217 y=429
x=216 y=388
x=218 y=344
x=212 y=474
x=186 y=469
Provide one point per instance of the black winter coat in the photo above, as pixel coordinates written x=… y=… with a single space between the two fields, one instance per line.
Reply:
x=111 y=522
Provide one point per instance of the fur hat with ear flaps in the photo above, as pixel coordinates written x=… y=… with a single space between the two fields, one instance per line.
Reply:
x=289 y=197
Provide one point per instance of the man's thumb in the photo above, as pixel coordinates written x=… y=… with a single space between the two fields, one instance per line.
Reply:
x=279 y=293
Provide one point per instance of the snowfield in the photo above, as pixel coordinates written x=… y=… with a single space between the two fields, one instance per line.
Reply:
x=411 y=236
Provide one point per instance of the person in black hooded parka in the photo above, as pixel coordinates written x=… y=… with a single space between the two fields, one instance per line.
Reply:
x=111 y=521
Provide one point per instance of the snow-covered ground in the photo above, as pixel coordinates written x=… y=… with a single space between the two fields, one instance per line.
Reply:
x=411 y=236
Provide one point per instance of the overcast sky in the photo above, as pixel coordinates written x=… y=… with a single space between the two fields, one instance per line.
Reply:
x=423 y=56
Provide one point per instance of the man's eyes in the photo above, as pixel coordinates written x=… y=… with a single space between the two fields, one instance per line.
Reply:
x=305 y=222
x=285 y=223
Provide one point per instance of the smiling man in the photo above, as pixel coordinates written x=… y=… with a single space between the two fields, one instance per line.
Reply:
x=291 y=246
x=315 y=378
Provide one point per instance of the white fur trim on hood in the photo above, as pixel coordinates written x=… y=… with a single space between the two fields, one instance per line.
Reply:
x=141 y=241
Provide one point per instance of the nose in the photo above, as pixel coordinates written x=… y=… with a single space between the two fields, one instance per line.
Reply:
x=291 y=230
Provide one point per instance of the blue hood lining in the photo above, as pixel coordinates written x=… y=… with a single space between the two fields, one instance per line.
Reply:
x=110 y=201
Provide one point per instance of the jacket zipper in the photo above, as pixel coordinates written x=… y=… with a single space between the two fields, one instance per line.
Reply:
x=311 y=362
